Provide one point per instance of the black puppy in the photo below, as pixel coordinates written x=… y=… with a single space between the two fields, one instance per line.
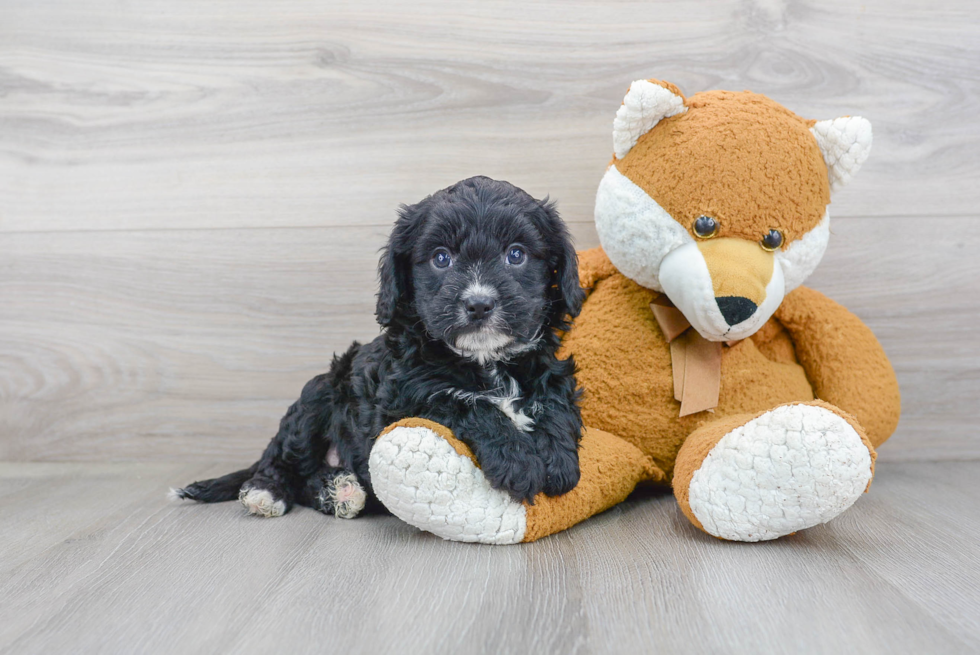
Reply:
x=476 y=281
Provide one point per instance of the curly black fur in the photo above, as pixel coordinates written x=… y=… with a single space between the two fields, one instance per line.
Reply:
x=492 y=376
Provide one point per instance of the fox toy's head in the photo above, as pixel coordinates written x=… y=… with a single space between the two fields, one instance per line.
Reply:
x=720 y=200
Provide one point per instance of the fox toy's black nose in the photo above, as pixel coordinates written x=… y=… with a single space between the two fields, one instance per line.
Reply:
x=735 y=309
x=478 y=307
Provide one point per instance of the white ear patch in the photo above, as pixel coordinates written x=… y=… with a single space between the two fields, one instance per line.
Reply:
x=845 y=144
x=645 y=105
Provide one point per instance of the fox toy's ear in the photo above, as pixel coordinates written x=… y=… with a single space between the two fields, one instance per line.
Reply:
x=395 y=267
x=646 y=104
x=845 y=143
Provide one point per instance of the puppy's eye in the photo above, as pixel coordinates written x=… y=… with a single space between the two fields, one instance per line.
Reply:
x=516 y=256
x=772 y=241
x=441 y=258
x=705 y=227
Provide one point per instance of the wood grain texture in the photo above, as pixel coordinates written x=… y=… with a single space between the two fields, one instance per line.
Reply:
x=191 y=200
x=190 y=344
x=162 y=114
x=127 y=571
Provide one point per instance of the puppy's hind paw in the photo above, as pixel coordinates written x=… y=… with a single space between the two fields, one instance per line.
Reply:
x=343 y=496
x=261 y=502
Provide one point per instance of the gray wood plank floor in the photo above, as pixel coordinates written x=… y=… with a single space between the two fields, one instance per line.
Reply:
x=96 y=560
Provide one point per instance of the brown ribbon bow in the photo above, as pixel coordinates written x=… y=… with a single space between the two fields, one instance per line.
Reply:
x=695 y=361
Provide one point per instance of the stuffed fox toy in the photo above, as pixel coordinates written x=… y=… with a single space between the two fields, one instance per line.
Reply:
x=704 y=362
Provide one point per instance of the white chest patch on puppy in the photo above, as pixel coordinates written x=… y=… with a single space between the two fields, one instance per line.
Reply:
x=507 y=403
x=504 y=396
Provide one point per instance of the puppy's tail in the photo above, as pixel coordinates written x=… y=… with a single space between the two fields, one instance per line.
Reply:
x=216 y=490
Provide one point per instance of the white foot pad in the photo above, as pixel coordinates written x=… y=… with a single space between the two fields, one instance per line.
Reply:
x=423 y=481
x=792 y=468
x=261 y=502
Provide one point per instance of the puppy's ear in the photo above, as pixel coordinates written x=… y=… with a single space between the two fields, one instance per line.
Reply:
x=565 y=293
x=395 y=267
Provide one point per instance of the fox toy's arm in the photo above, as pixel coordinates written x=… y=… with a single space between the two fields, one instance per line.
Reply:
x=843 y=360
x=593 y=266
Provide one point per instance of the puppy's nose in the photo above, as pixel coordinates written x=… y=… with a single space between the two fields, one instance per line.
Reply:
x=478 y=307
x=735 y=309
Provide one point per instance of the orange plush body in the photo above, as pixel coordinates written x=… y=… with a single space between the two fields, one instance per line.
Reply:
x=625 y=366
x=703 y=360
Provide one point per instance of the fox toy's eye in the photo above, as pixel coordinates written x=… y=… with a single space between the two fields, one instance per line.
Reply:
x=441 y=258
x=516 y=256
x=705 y=227
x=772 y=241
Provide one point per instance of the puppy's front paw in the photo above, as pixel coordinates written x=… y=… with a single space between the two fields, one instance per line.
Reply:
x=562 y=472
x=520 y=473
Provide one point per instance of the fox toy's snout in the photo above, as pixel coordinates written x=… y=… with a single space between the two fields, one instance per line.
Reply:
x=740 y=272
x=735 y=309
x=726 y=287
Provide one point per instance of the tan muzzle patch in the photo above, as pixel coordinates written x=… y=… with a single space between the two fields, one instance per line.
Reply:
x=738 y=268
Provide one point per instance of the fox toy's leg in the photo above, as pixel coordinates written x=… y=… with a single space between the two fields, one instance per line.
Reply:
x=763 y=476
x=431 y=480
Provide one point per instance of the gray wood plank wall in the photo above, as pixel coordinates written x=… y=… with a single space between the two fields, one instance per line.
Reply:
x=192 y=195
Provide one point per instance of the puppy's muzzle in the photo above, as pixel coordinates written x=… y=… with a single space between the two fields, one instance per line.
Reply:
x=479 y=308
